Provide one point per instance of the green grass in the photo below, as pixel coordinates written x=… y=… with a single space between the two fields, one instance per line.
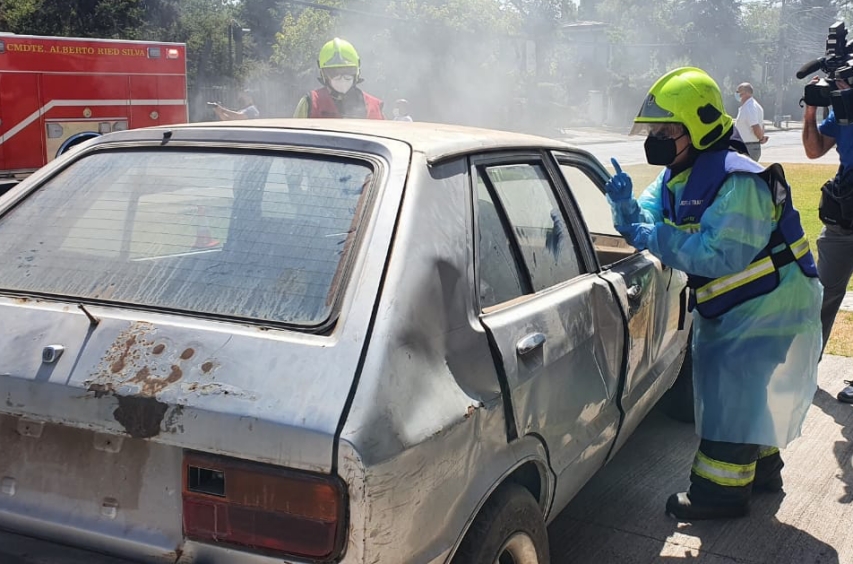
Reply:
x=805 y=180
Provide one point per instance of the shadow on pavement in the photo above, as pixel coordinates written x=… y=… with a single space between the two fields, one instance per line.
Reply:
x=759 y=537
x=618 y=518
x=843 y=449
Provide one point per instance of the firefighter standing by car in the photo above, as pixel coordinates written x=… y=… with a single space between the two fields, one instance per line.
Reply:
x=339 y=97
x=731 y=226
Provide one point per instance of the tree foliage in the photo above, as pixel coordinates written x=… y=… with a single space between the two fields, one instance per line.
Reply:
x=204 y=25
x=466 y=57
x=84 y=18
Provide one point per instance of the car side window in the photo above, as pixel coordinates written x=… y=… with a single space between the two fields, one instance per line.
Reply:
x=586 y=185
x=539 y=226
x=500 y=278
x=590 y=199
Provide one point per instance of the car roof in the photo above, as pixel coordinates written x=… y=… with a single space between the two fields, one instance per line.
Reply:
x=435 y=140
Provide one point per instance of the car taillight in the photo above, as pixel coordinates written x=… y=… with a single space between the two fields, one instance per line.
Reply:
x=264 y=508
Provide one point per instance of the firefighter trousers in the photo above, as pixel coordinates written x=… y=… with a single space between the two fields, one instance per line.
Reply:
x=727 y=473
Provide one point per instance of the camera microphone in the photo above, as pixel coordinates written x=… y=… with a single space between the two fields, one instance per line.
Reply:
x=810 y=67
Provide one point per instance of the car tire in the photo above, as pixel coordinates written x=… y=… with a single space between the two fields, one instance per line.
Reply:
x=509 y=529
x=677 y=402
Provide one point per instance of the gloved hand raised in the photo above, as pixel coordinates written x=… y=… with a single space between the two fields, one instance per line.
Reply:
x=619 y=188
x=637 y=234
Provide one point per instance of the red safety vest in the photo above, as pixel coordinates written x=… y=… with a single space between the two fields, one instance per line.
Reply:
x=323 y=105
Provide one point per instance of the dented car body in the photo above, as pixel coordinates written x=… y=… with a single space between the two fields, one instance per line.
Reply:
x=315 y=341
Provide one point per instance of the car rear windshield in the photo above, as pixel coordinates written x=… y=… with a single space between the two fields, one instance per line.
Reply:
x=263 y=236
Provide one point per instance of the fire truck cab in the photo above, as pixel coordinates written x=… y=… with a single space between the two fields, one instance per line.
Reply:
x=57 y=92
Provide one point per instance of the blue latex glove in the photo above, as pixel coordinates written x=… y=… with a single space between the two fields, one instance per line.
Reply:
x=637 y=234
x=619 y=187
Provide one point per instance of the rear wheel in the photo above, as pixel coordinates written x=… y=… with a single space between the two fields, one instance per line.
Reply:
x=508 y=530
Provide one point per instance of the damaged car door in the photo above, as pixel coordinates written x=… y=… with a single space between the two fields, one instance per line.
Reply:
x=653 y=295
x=555 y=323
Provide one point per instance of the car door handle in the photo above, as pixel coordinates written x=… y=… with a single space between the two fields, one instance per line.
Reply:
x=634 y=291
x=529 y=343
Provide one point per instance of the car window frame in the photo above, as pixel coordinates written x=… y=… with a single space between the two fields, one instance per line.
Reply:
x=342 y=277
x=574 y=222
x=524 y=276
x=599 y=176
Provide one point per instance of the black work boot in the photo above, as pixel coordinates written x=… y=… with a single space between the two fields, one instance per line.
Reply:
x=720 y=482
x=768 y=471
x=846 y=395
x=772 y=485
x=681 y=507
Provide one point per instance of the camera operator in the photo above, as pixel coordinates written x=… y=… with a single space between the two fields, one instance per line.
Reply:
x=835 y=243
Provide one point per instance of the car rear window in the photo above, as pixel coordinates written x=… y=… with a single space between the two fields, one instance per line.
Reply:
x=263 y=236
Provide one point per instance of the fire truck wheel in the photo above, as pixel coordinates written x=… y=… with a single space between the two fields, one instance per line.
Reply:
x=74 y=141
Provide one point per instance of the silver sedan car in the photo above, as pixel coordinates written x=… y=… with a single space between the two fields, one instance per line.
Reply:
x=318 y=341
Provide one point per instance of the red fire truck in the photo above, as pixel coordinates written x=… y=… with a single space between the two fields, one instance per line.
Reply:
x=56 y=92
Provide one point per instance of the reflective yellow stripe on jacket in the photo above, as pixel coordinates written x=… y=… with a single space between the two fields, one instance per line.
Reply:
x=752 y=272
x=688 y=227
x=800 y=248
x=723 y=473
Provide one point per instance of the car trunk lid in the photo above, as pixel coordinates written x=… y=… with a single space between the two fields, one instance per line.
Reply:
x=244 y=391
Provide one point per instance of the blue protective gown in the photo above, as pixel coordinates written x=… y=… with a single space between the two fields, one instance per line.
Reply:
x=755 y=366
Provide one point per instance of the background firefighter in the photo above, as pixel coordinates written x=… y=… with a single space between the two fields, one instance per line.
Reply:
x=340 y=72
x=756 y=299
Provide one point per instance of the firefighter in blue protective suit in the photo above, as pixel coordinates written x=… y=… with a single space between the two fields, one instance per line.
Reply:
x=731 y=226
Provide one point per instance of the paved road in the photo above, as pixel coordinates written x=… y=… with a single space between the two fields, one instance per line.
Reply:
x=618 y=518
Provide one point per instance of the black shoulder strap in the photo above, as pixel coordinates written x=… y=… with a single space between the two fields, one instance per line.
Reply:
x=774 y=176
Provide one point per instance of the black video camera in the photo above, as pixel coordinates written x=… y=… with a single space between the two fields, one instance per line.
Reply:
x=836 y=63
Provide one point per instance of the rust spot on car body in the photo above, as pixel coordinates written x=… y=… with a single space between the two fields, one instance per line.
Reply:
x=150 y=384
x=101 y=390
x=130 y=361
x=140 y=416
x=135 y=369
x=172 y=422
x=119 y=363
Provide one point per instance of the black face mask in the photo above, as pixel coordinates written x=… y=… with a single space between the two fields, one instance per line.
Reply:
x=661 y=151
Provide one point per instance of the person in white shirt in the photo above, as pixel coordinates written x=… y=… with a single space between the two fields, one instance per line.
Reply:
x=750 y=121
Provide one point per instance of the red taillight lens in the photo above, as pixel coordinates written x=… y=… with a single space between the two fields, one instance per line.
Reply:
x=262 y=507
